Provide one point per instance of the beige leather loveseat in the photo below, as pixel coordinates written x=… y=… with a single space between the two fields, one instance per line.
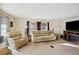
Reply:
x=16 y=40
x=38 y=36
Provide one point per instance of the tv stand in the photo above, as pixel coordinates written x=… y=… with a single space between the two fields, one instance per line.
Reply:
x=71 y=35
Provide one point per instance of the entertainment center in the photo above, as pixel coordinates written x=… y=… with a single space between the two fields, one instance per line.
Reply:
x=71 y=35
x=72 y=31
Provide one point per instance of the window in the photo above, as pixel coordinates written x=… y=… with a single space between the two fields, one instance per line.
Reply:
x=3 y=30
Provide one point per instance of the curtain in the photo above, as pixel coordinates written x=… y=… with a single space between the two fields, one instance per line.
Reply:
x=3 y=30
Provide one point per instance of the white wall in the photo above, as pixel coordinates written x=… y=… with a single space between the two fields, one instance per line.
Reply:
x=58 y=13
x=39 y=10
x=1 y=5
x=60 y=25
x=57 y=25
x=21 y=24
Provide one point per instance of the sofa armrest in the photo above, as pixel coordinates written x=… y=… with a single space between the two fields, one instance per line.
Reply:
x=53 y=36
x=12 y=43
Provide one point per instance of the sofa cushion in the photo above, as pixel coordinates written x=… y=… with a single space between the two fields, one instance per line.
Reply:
x=41 y=33
x=40 y=37
x=17 y=37
x=45 y=33
x=20 y=42
x=36 y=33
x=46 y=37
x=16 y=33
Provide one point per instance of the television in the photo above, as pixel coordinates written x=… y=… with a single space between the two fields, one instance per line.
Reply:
x=72 y=25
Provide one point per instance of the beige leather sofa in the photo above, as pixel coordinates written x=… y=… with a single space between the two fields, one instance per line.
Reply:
x=38 y=36
x=16 y=40
x=5 y=51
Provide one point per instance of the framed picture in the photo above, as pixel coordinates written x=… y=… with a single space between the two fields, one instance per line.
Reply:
x=11 y=24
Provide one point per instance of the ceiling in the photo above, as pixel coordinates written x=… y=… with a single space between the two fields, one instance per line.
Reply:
x=42 y=10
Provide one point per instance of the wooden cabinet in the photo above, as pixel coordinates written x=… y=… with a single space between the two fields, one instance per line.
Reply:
x=71 y=35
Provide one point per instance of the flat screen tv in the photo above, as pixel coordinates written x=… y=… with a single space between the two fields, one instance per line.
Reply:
x=72 y=25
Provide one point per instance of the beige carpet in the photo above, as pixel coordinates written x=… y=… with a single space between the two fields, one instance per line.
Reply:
x=44 y=48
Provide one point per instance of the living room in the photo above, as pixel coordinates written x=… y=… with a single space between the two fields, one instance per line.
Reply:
x=39 y=28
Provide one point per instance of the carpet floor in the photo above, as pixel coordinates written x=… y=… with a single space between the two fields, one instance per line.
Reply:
x=58 y=47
